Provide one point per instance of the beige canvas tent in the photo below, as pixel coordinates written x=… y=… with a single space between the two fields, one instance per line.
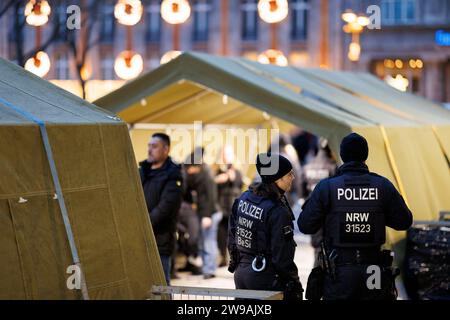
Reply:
x=409 y=136
x=85 y=170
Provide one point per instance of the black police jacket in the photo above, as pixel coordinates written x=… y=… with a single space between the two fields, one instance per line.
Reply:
x=354 y=207
x=163 y=194
x=260 y=225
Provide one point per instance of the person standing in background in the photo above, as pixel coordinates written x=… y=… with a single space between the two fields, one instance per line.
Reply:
x=162 y=183
x=200 y=184
x=321 y=167
x=229 y=187
x=287 y=150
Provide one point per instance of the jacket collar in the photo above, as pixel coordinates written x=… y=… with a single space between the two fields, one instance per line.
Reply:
x=353 y=167
x=148 y=165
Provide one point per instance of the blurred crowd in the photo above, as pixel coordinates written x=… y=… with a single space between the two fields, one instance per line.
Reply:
x=190 y=203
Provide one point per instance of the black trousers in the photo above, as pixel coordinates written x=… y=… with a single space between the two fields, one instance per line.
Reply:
x=189 y=230
x=222 y=237
x=351 y=284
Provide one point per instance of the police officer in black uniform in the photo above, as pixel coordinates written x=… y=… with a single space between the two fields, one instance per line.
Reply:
x=261 y=230
x=354 y=207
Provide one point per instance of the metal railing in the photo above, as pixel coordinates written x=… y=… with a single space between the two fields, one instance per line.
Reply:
x=200 y=293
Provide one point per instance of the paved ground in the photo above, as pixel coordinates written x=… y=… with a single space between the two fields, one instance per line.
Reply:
x=304 y=258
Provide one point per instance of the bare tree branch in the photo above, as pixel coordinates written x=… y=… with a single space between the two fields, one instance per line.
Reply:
x=87 y=23
x=18 y=33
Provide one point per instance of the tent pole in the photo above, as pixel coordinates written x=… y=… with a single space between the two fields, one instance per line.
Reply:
x=62 y=205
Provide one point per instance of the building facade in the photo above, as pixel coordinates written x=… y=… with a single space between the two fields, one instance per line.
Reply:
x=413 y=44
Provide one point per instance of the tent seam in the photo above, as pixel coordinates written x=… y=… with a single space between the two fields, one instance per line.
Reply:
x=112 y=208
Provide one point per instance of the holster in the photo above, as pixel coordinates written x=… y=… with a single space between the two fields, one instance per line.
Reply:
x=327 y=261
x=391 y=272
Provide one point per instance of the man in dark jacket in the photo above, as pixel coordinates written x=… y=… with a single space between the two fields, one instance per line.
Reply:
x=162 y=184
x=354 y=207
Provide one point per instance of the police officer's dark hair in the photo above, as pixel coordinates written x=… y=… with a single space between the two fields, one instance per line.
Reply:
x=164 y=138
x=266 y=190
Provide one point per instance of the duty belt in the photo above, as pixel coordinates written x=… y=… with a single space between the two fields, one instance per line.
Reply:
x=357 y=256
x=258 y=262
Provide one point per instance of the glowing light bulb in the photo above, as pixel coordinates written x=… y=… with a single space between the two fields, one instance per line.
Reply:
x=273 y=11
x=389 y=63
x=224 y=99
x=363 y=21
x=399 y=82
x=175 y=11
x=419 y=63
x=348 y=16
x=354 y=51
x=398 y=64
x=39 y=64
x=272 y=56
x=128 y=12
x=37 y=12
x=128 y=65
x=169 y=55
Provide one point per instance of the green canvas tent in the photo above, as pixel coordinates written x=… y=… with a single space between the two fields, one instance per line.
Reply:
x=409 y=137
x=60 y=155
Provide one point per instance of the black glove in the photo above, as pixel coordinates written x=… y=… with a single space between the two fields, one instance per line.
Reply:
x=293 y=291
x=234 y=261
x=314 y=287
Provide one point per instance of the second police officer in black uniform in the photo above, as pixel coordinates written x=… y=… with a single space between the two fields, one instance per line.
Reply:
x=261 y=231
x=354 y=207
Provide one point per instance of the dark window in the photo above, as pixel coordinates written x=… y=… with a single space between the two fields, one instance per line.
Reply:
x=299 y=19
x=153 y=22
x=249 y=20
x=201 y=10
x=17 y=18
x=398 y=11
x=108 y=23
x=62 y=67
x=410 y=11
x=107 y=67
